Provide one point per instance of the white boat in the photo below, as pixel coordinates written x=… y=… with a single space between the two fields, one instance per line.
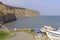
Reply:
x=53 y=35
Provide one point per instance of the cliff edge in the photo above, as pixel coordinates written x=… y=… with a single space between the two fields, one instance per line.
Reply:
x=19 y=12
x=10 y=13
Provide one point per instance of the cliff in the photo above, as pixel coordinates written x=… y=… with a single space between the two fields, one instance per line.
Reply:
x=19 y=12
x=10 y=13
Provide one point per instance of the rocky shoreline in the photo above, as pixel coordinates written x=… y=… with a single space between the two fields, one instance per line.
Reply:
x=10 y=13
x=7 y=18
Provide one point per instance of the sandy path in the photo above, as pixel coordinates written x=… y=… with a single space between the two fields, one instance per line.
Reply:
x=22 y=36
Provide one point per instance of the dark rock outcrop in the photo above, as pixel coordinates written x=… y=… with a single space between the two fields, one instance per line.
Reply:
x=6 y=15
x=9 y=13
x=9 y=18
x=1 y=19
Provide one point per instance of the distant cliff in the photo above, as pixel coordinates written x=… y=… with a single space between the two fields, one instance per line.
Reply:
x=19 y=12
x=10 y=13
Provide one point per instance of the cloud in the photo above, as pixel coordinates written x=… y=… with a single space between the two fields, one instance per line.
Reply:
x=15 y=2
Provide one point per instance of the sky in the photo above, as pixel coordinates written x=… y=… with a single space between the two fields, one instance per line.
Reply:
x=45 y=7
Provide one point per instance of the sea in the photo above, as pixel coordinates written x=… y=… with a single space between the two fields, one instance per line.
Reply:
x=33 y=22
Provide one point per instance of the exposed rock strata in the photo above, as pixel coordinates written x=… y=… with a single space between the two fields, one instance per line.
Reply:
x=10 y=13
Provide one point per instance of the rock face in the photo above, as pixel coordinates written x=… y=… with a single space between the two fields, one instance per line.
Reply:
x=10 y=13
x=6 y=15
x=1 y=19
x=9 y=17
x=19 y=12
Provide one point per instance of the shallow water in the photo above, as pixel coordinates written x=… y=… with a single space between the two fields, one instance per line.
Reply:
x=33 y=22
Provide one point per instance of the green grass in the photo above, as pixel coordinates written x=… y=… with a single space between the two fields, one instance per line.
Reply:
x=3 y=35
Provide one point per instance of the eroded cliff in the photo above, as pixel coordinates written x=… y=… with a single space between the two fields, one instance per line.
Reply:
x=19 y=12
x=9 y=13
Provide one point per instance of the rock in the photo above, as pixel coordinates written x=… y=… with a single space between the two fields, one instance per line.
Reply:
x=10 y=13
x=3 y=28
x=1 y=19
x=9 y=17
x=6 y=15
x=19 y=12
